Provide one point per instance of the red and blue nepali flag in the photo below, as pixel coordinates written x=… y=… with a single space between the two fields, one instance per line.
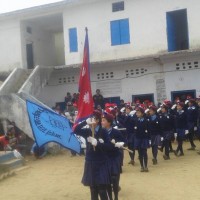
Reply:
x=85 y=102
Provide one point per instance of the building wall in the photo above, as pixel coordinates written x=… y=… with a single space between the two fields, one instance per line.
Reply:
x=10 y=45
x=148 y=36
x=183 y=79
x=157 y=77
x=43 y=45
x=59 y=48
x=147 y=21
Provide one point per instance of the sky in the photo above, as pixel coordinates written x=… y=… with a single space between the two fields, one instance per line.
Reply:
x=12 y=5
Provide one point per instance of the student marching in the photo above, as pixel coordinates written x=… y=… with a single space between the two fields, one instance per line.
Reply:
x=135 y=127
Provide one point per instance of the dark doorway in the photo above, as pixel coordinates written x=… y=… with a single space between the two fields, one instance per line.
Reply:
x=29 y=56
x=177 y=30
x=143 y=97
x=112 y=100
x=182 y=95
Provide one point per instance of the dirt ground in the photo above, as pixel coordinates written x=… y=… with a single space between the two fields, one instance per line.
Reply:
x=58 y=178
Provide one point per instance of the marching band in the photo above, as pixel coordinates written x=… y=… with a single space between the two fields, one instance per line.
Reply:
x=134 y=128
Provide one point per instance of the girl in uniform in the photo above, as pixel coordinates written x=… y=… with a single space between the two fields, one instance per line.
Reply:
x=192 y=116
x=181 y=127
x=167 y=128
x=96 y=171
x=142 y=138
x=129 y=125
x=114 y=155
x=155 y=132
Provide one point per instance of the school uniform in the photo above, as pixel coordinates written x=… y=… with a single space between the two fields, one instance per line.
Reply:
x=155 y=135
x=141 y=142
x=181 y=127
x=115 y=161
x=198 y=121
x=167 y=128
x=116 y=125
x=192 y=115
x=96 y=170
x=129 y=125
x=39 y=152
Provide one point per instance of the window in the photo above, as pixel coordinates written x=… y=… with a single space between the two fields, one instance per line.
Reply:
x=182 y=95
x=177 y=30
x=119 y=6
x=112 y=100
x=120 y=32
x=29 y=29
x=143 y=97
x=73 y=45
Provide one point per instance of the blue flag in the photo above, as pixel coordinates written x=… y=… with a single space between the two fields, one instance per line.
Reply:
x=48 y=126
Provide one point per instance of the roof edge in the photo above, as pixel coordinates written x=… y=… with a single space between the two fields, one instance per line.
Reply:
x=37 y=8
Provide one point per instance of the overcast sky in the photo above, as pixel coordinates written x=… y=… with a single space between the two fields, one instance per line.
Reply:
x=11 y=5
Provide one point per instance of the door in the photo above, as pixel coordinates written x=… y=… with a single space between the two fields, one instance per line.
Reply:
x=29 y=56
x=182 y=95
x=143 y=97
x=112 y=100
x=177 y=30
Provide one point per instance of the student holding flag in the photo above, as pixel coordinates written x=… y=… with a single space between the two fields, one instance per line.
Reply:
x=96 y=171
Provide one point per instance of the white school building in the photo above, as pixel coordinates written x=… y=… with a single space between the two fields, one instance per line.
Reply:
x=138 y=49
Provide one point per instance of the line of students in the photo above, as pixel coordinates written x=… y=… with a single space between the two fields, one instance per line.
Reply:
x=142 y=128
x=156 y=128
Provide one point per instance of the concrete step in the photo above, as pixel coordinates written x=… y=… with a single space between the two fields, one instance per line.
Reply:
x=6 y=156
x=13 y=164
x=9 y=161
x=19 y=83
x=12 y=172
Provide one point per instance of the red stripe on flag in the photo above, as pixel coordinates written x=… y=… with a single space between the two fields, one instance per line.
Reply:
x=85 y=102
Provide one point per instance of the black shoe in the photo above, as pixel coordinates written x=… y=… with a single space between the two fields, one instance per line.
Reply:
x=175 y=153
x=146 y=169
x=181 y=154
x=166 y=157
x=192 y=148
x=132 y=162
x=155 y=162
x=142 y=169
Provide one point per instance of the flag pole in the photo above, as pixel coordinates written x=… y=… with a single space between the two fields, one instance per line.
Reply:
x=85 y=102
x=92 y=128
x=93 y=135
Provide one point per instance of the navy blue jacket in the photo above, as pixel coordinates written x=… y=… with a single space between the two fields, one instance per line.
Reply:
x=118 y=137
x=154 y=125
x=120 y=119
x=141 y=128
x=167 y=122
x=181 y=120
x=198 y=114
x=129 y=124
x=192 y=115
x=100 y=152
